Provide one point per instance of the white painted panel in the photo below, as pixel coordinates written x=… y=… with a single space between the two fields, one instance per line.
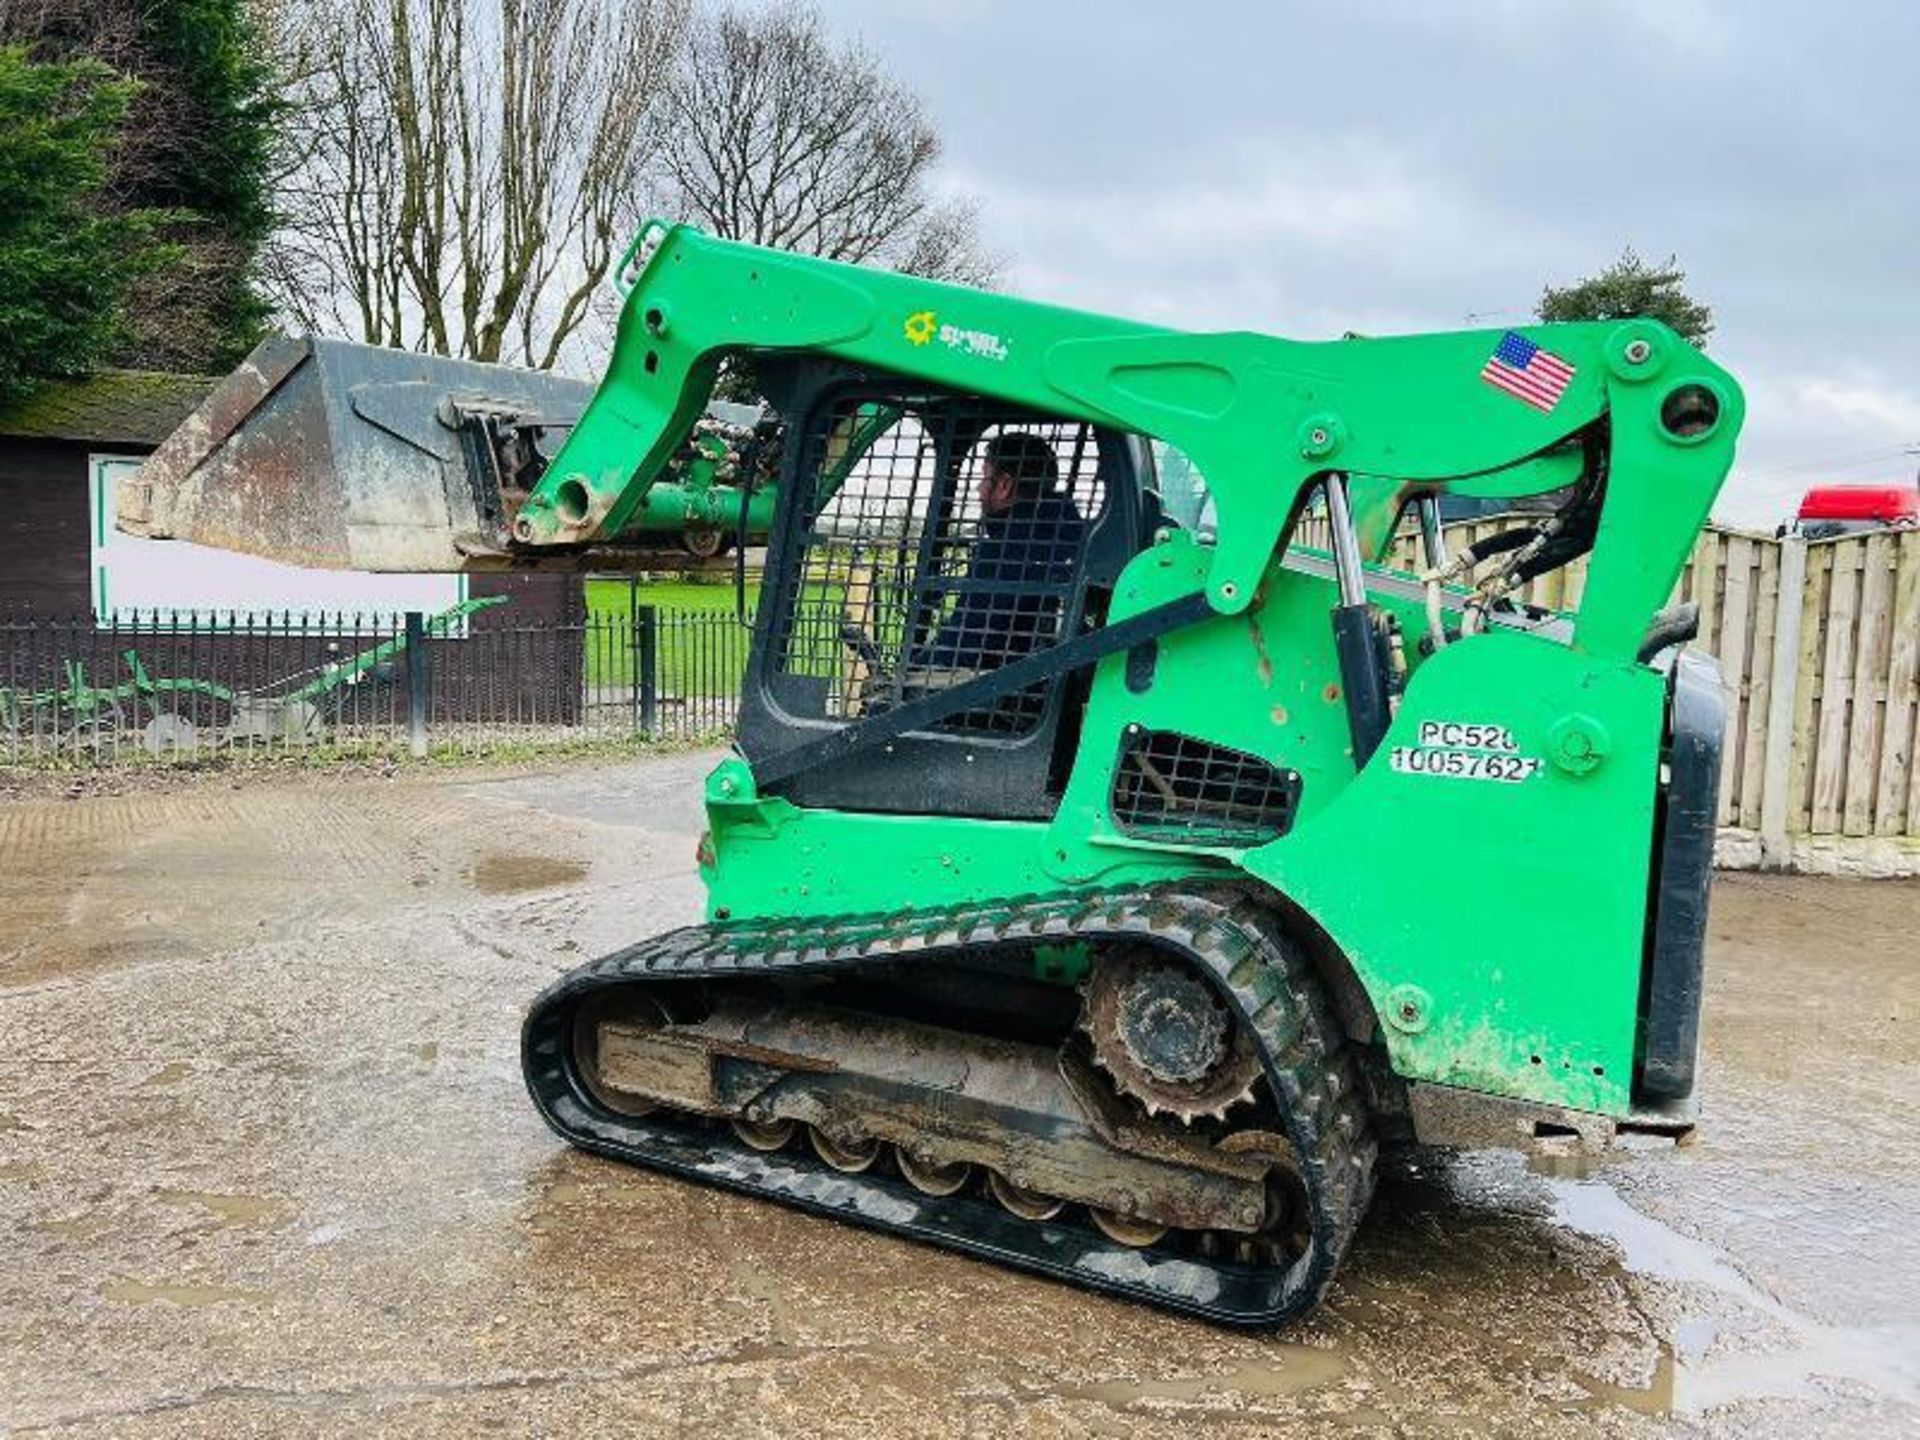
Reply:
x=172 y=579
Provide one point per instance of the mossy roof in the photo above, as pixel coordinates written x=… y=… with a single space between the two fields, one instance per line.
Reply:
x=120 y=407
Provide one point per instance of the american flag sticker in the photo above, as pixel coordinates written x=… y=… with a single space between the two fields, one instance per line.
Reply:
x=1526 y=372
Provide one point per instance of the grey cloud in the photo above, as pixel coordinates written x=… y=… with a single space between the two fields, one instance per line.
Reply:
x=1308 y=169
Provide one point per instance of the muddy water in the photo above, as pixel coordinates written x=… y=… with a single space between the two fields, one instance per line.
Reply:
x=1882 y=1358
x=265 y=1165
x=511 y=874
x=226 y=1209
x=136 y=1292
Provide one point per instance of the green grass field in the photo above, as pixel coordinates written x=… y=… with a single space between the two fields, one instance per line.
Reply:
x=610 y=597
x=702 y=651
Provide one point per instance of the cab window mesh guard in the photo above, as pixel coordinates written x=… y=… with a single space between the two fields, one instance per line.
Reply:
x=942 y=538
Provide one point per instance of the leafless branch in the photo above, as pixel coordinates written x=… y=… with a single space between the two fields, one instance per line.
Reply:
x=778 y=135
x=458 y=169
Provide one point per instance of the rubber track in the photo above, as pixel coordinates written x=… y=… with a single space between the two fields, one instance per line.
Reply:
x=1230 y=937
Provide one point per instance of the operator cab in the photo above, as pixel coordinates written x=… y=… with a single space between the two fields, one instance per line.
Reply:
x=925 y=539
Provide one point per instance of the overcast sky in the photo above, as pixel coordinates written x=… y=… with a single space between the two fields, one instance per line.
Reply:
x=1306 y=169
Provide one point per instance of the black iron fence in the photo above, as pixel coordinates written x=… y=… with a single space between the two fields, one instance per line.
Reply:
x=74 y=690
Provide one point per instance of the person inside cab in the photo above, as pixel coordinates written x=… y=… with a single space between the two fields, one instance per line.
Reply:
x=1022 y=563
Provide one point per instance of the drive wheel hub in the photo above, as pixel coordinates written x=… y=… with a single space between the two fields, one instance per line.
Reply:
x=1166 y=1039
x=1171 y=1028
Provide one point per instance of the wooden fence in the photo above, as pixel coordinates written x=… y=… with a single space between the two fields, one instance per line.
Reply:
x=1819 y=644
x=1820 y=647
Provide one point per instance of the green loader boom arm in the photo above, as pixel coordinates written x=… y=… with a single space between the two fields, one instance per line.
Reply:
x=1262 y=418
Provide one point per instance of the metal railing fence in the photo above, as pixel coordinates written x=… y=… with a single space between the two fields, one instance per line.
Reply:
x=1819 y=642
x=195 y=686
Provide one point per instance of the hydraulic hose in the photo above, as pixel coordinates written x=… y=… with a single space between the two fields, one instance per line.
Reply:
x=1674 y=625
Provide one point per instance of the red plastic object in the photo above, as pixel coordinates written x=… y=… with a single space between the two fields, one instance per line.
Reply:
x=1885 y=503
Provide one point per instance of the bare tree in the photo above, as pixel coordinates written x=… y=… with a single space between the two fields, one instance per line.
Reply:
x=458 y=172
x=778 y=135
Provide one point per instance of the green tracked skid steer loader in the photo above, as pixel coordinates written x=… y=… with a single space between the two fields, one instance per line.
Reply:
x=1119 y=851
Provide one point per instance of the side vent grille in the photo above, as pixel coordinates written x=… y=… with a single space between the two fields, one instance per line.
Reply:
x=1176 y=789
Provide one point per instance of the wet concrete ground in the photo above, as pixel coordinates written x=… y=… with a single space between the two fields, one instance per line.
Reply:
x=266 y=1166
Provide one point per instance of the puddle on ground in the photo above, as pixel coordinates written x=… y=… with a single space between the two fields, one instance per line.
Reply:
x=1564 y=1165
x=91 y=958
x=1303 y=1369
x=1693 y=1338
x=1646 y=1246
x=74 y=1227
x=1885 y=1359
x=228 y=1209
x=511 y=874
x=138 y=1292
x=1656 y=1398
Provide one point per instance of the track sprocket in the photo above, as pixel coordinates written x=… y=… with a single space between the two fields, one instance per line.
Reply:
x=1165 y=1038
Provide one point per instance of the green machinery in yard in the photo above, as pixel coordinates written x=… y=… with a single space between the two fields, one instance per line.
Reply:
x=166 y=714
x=1098 y=893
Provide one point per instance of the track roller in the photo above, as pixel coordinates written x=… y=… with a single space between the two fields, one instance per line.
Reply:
x=1126 y=1229
x=764 y=1135
x=851 y=1158
x=930 y=1177
x=1027 y=1204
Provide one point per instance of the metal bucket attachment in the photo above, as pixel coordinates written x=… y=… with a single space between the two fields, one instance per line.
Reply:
x=350 y=457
